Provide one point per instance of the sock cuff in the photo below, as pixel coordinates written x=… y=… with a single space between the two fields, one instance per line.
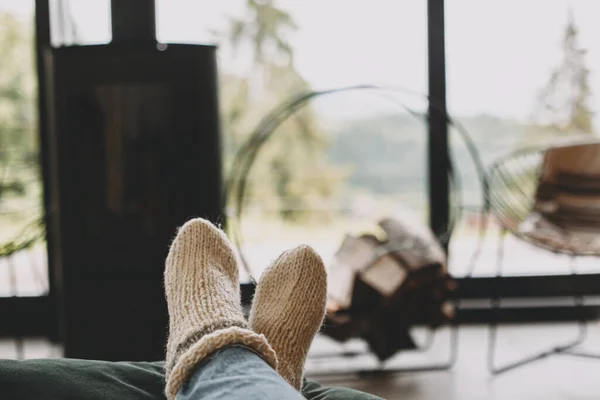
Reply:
x=210 y=343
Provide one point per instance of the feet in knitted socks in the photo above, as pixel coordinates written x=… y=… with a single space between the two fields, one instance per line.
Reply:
x=202 y=290
x=288 y=308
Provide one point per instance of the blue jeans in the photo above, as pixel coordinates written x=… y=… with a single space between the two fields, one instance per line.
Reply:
x=236 y=372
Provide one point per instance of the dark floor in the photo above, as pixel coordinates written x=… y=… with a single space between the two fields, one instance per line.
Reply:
x=556 y=378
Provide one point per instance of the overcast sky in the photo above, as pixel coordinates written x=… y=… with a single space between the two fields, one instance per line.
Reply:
x=499 y=52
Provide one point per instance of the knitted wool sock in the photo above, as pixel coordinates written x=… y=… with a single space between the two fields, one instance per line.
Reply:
x=205 y=315
x=289 y=306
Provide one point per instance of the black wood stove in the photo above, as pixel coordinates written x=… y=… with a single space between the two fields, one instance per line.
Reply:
x=133 y=151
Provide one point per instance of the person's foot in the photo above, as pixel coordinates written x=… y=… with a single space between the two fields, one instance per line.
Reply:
x=289 y=306
x=203 y=297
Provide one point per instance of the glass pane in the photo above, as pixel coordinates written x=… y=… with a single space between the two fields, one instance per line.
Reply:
x=80 y=22
x=513 y=84
x=341 y=161
x=23 y=270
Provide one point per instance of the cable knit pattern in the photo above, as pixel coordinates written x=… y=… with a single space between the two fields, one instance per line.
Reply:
x=203 y=298
x=289 y=306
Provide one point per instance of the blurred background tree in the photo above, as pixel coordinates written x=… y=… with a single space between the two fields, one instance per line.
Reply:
x=18 y=141
x=21 y=224
x=20 y=184
x=293 y=174
x=561 y=109
x=563 y=104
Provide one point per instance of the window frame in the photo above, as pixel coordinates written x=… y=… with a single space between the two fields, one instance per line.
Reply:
x=38 y=316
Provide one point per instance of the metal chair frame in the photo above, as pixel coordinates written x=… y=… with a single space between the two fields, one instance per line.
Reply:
x=510 y=213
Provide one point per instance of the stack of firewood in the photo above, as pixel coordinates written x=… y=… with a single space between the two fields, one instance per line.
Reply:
x=379 y=287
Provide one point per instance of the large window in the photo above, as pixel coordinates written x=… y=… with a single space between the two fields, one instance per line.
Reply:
x=343 y=160
x=335 y=167
x=346 y=159
x=79 y=22
x=520 y=74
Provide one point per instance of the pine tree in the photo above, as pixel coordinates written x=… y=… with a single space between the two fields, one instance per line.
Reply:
x=563 y=104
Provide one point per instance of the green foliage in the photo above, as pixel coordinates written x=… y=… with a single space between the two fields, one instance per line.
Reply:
x=28 y=237
x=17 y=101
x=17 y=85
x=16 y=187
x=291 y=174
x=19 y=177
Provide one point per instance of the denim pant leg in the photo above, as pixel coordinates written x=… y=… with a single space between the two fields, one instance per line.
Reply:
x=236 y=373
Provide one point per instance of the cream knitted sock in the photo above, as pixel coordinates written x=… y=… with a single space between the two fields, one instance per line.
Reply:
x=205 y=315
x=289 y=306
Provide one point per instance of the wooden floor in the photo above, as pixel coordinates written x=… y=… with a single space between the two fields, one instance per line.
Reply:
x=555 y=378
x=559 y=377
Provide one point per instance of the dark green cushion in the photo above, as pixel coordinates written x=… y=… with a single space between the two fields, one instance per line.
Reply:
x=65 y=379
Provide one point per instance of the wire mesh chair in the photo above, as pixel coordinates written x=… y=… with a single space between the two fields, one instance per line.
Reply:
x=246 y=156
x=517 y=191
